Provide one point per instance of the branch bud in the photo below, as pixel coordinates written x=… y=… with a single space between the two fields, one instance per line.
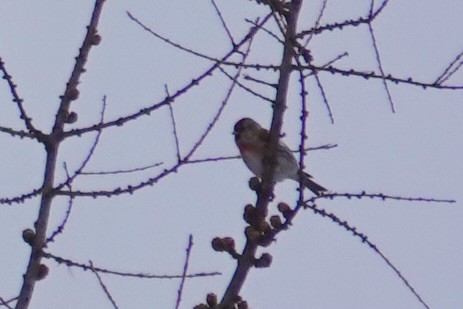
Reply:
x=285 y=210
x=254 y=184
x=72 y=94
x=29 y=236
x=228 y=244
x=275 y=221
x=252 y=234
x=211 y=300
x=96 y=39
x=265 y=260
x=71 y=118
x=218 y=244
x=43 y=272
x=249 y=213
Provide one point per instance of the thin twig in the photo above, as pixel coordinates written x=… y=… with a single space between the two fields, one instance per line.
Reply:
x=382 y=197
x=317 y=22
x=246 y=88
x=269 y=32
x=374 y=75
x=347 y=23
x=365 y=240
x=303 y=132
x=20 y=198
x=71 y=263
x=259 y=81
x=90 y=153
x=185 y=270
x=222 y=106
x=60 y=228
x=310 y=204
x=14 y=132
x=324 y=97
x=127 y=171
x=19 y=102
x=103 y=286
x=224 y=158
x=224 y=24
x=448 y=72
x=378 y=60
x=174 y=127
x=5 y=303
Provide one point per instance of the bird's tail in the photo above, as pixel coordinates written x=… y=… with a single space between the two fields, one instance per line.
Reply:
x=307 y=181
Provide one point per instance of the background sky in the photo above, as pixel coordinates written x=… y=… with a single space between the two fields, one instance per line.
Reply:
x=415 y=152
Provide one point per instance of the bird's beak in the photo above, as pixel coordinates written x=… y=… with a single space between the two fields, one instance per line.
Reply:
x=234 y=133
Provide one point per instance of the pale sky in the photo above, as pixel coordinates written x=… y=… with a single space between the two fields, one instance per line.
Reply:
x=415 y=152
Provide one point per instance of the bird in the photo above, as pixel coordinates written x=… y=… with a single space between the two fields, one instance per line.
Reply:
x=252 y=140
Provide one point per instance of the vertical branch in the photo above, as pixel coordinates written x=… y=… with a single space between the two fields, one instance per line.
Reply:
x=185 y=270
x=247 y=259
x=52 y=143
x=71 y=93
x=303 y=133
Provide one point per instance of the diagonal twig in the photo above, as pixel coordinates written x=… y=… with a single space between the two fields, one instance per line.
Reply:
x=174 y=127
x=103 y=286
x=224 y=24
x=185 y=270
x=378 y=60
x=19 y=102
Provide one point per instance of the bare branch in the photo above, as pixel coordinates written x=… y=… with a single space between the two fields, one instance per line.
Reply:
x=103 y=286
x=289 y=215
x=71 y=92
x=20 y=133
x=383 y=197
x=365 y=240
x=222 y=106
x=20 y=198
x=51 y=145
x=303 y=132
x=324 y=97
x=224 y=158
x=378 y=60
x=374 y=75
x=317 y=22
x=84 y=163
x=258 y=81
x=70 y=263
x=5 y=303
x=269 y=32
x=246 y=88
x=448 y=72
x=174 y=127
x=347 y=23
x=19 y=102
x=222 y=21
x=246 y=260
x=185 y=270
x=60 y=228
x=127 y=171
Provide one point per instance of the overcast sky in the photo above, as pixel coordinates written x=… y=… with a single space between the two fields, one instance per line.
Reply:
x=415 y=152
